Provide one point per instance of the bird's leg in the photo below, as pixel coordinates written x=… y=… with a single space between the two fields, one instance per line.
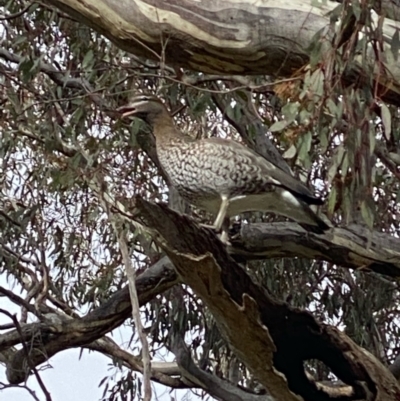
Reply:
x=221 y=223
x=224 y=236
x=221 y=214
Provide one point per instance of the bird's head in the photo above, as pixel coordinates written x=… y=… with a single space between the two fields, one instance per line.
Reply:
x=145 y=107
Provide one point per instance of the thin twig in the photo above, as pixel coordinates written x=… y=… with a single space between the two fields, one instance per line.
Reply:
x=131 y=274
x=3 y=386
x=18 y=300
x=110 y=204
x=17 y=14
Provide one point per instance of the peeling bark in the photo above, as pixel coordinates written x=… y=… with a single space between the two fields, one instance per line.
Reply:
x=274 y=339
x=225 y=37
x=267 y=327
x=355 y=248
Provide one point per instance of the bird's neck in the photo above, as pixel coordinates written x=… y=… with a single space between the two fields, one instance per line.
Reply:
x=165 y=130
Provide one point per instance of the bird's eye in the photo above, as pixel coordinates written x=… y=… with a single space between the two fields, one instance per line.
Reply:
x=142 y=99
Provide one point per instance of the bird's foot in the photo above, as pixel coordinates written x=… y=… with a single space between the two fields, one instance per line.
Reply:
x=208 y=226
x=223 y=235
x=224 y=238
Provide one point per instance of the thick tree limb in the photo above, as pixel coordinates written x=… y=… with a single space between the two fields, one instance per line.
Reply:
x=216 y=387
x=236 y=301
x=318 y=342
x=357 y=248
x=257 y=241
x=47 y=339
x=241 y=38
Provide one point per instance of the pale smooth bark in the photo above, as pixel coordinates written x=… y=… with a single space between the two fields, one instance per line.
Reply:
x=270 y=37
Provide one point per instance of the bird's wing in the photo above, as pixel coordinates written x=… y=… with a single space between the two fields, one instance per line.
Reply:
x=278 y=176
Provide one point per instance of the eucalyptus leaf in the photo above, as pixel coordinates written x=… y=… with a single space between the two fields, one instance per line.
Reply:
x=290 y=111
x=395 y=44
x=290 y=153
x=386 y=120
x=87 y=60
x=372 y=141
x=332 y=200
x=317 y=83
x=304 y=148
x=278 y=126
x=367 y=213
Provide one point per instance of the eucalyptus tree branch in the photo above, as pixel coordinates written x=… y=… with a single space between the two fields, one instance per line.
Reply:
x=267 y=327
x=354 y=247
x=4 y=386
x=26 y=351
x=270 y=38
x=78 y=332
x=388 y=159
x=243 y=82
x=17 y=14
x=216 y=387
x=54 y=335
x=106 y=200
x=18 y=300
x=131 y=274
x=161 y=372
x=58 y=77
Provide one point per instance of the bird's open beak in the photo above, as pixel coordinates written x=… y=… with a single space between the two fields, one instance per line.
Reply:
x=126 y=111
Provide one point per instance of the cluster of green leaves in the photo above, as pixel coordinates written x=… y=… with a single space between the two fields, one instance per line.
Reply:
x=57 y=133
x=340 y=118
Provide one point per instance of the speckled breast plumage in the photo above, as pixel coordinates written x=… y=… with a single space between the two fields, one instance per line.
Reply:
x=204 y=170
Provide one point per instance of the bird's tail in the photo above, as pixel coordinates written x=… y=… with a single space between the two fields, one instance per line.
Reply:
x=311 y=221
x=297 y=209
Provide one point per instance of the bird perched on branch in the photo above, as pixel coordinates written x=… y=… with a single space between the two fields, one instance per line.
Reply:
x=222 y=176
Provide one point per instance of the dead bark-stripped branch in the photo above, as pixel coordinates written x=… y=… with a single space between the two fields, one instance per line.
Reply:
x=276 y=239
x=273 y=337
